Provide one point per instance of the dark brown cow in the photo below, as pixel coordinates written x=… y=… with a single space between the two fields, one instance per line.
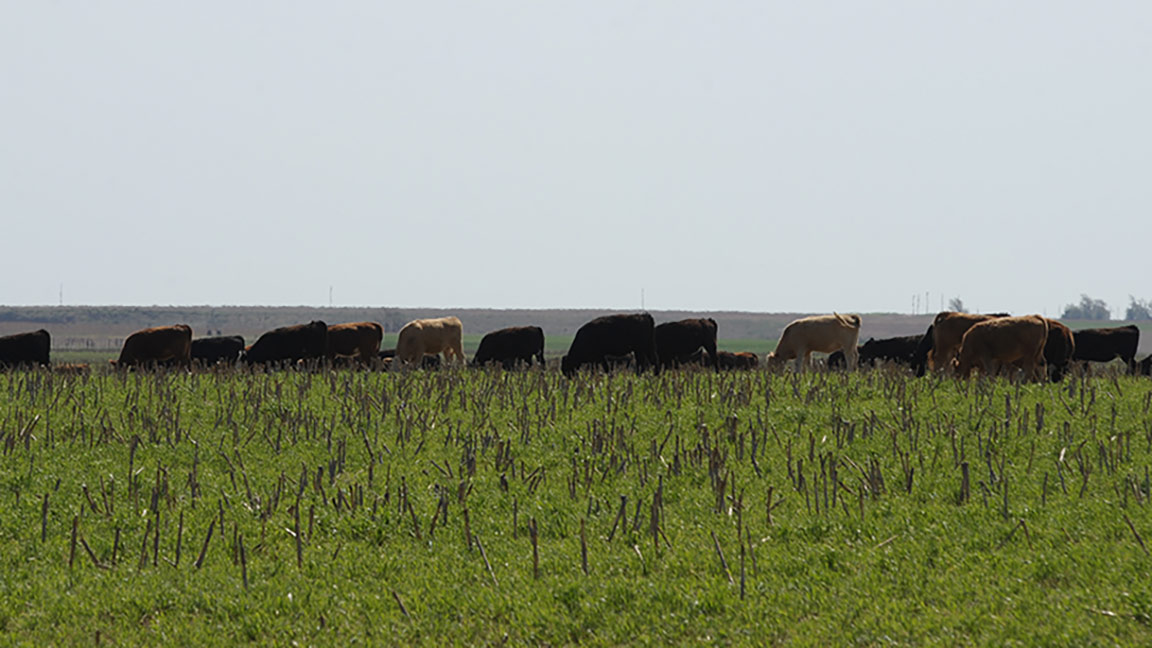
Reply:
x=1004 y=341
x=25 y=349
x=290 y=344
x=677 y=341
x=613 y=335
x=360 y=340
x=511 y=345
x=1059 y=349
x=160 y=344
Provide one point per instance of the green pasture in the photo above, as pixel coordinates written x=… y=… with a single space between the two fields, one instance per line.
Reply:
x=483 y=507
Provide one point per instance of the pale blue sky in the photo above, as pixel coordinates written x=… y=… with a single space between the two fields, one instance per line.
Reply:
x=763 y=156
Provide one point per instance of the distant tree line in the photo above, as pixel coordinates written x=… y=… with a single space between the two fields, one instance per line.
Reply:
x=1096 y=309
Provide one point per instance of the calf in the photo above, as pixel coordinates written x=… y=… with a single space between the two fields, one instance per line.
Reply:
x=677 y=341
x=613 y=335
x=728 y=360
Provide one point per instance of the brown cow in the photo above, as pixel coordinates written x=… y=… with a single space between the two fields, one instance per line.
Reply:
x=1002 y=341
x=822 y=333
x=948 y=330
x=430 y=336
x=360 y=340
x=158 y=344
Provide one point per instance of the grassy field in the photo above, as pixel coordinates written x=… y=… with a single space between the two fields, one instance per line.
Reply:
x=482 y=507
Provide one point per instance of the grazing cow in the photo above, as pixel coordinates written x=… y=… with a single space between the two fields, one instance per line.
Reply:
x=25 y=349
x=511 y=345
x=1104 y=344
x=1145 y=367
x=677 y=341
x=923 y=350
x=821 y=333
x=898 y=350
x=211 y=350
x=1002 y=341
x=740 y=360
x=947 y=331
x=160 y=344
x=290 y=344
x=1058 y=349
x=360 y=340
x=429 y=337
x=613 y=335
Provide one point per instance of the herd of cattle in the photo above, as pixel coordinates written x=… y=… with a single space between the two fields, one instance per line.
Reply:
x=955 y=342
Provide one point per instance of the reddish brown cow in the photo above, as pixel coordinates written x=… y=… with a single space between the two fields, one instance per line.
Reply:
x=158 y=344
x=1004 y=341
x=948 y=331
x=360 y=340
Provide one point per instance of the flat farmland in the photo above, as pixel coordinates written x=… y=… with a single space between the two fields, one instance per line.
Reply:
x=343 y=507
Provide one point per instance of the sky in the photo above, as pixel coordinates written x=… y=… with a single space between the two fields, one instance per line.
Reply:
x=665 y=154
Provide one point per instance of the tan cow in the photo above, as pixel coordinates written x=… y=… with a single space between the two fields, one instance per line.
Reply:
x=360 y=340
x=157 y=344
x=948 y=330
x=1004 y=341
x=823 y=333
x=430 y=336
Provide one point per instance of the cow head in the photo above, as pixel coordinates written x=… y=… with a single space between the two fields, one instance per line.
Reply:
x=567 y=366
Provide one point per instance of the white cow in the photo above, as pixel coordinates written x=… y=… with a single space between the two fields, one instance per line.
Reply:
x=823 y=333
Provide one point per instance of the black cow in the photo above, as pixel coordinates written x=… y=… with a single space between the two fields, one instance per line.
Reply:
x=290 y=343
x=25 y=349
x=210 y=350
x=1104 y=344
x=511 y=345
x=677 y=341
x=1145 y=367
x=900 y=350
x=920 y=355
x=613 y=335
